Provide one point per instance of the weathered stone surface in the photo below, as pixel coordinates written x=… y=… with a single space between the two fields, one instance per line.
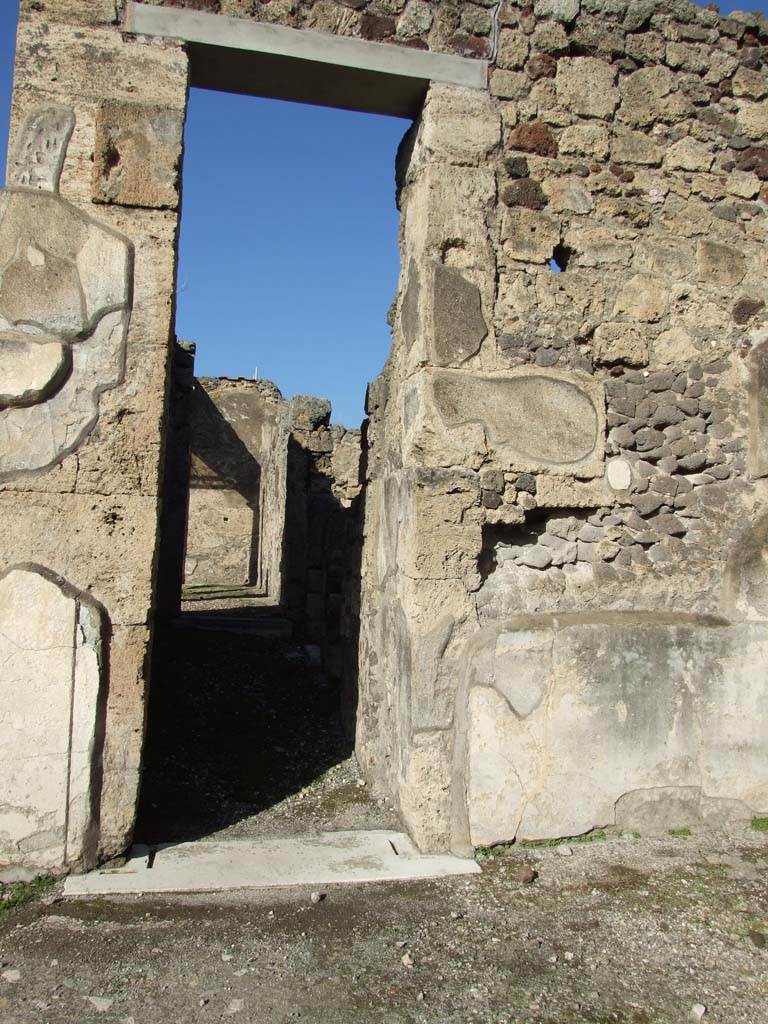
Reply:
x=459 y=325
x=560 y=10
x=469 y=125
x=647 y=96
x=544 y=418
x=50 y=647
x=752 y=119
x=660 y=727
x=592 y=140
x=628 y=147
x=619 y=343
x=137 y=155
x=643 y=297
x=30 y=370
x=71 y=279
x=38 y=156
x=587 y=86
x=529 y=236
x=689 y=155
x=719 y=264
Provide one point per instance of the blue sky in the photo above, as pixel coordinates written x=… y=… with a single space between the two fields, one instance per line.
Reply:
x=289 y=238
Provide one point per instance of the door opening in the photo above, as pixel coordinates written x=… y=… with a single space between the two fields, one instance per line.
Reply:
x=288 y=262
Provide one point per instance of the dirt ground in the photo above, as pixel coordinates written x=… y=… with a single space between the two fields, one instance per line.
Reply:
x=244 y=740
x=622 y=929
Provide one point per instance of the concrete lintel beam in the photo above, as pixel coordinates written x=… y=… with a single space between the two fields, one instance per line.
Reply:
x=237 y=55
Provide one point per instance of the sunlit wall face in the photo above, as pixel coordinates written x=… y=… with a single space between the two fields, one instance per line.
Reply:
x=289 y=259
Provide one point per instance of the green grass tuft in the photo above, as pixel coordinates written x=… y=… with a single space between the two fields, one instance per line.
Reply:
x=680 y=833
x=18 y=893
x=760 y=824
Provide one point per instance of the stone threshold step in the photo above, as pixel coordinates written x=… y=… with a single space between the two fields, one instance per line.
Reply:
x=326 y=858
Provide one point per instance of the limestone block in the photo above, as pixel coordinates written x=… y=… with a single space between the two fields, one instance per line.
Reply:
x=648 y=96
x=509 y=85
x=618 y=474
x=533 y=418
x=513 y=49
x=663 y=704
x=39 y=153
x=587 y=86
x=446 y=208
x=424 y=791
x=752 y=119
x=559 y=10
x=598 y=246
x=628 y=147
x=721 y=265
x=137 y=155
x=460 y=126
x=643 y=297
x=689 y=155
x=619 y=343
x=104 y=544
x=458 y=323
x=592 y=140
x=528 y=235
x=568 y=195
x=675 y=347
x=50 y=648
x=749 y=83
x=555 y=491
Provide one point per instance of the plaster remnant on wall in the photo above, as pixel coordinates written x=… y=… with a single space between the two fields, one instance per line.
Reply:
x=50 y=648
x=65 y=298
x=583 y=723
x=38 y=155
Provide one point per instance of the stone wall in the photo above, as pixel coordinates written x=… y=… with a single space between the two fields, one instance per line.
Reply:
x=563 y=618
x=86 y=299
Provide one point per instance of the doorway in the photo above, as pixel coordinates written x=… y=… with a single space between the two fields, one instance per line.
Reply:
x=285 y=278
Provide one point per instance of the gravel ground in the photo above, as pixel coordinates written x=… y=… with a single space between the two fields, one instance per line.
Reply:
x=621 y=930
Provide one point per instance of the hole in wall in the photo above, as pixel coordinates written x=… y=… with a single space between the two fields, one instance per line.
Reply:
x=561 y=256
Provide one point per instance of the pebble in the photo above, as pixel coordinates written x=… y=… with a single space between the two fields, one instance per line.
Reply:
x=317 y=897
x=11 y=976
x=564 y=851
x=100 y=1003
x=407 y=960
x=698 y=1010
x=525 y=874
